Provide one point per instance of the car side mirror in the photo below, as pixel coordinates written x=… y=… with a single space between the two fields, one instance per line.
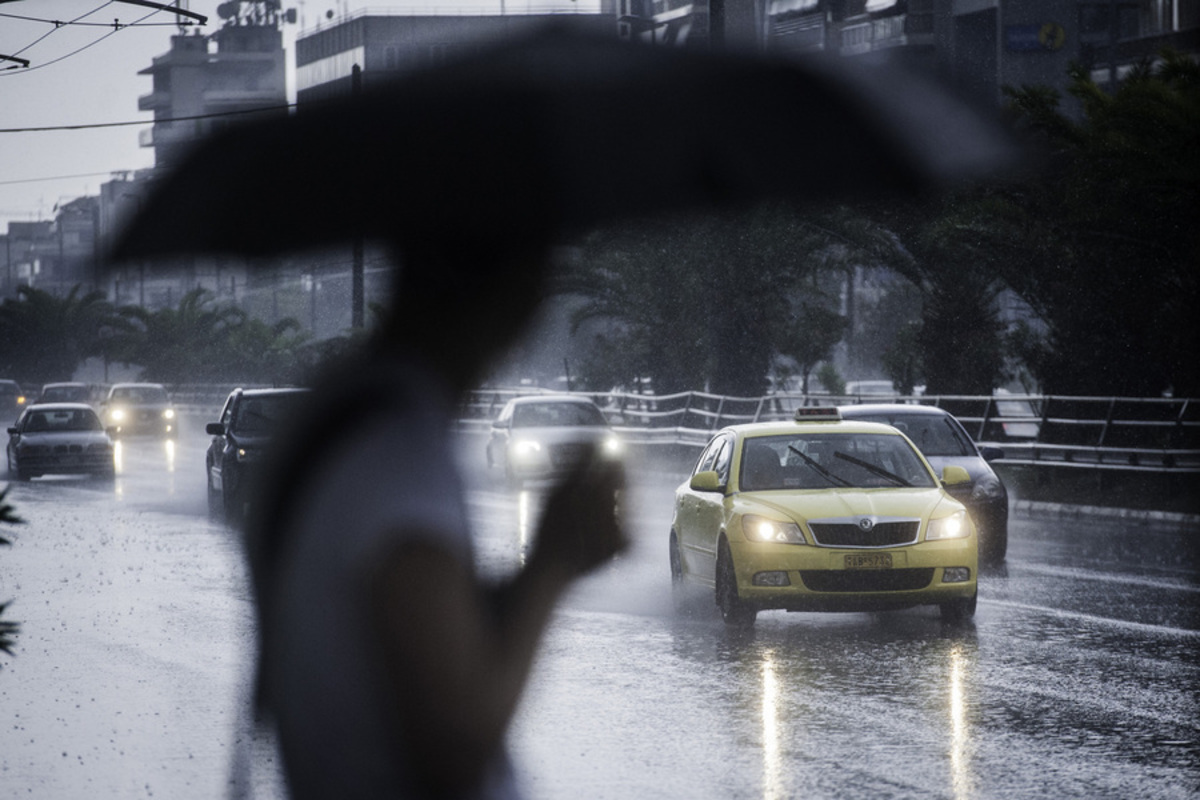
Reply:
x=214 y=429
x=12 y=431
x=707 y=481
x=991 y=453
x=952 y=475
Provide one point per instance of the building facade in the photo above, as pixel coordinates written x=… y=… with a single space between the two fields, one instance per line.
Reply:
x=385 y=45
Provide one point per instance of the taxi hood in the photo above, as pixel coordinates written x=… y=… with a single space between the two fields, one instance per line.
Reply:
x=853 y=502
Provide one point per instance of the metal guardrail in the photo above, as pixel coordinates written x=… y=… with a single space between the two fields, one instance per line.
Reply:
x=1105 y=433
x=1156 y=434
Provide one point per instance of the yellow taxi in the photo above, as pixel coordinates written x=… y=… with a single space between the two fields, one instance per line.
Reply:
x=823 y=514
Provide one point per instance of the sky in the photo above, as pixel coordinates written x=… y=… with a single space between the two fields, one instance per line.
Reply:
x=87 y=75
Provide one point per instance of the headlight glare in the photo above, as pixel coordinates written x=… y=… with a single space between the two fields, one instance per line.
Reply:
x=169 y=413
x=952 y=527
x=611 y=446
x=525 y=448
x=118 y=414
x=762 y=529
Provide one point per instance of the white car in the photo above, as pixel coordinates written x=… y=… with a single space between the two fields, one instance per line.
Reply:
x=542 y=436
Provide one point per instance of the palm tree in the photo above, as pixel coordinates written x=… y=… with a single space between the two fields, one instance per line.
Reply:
x=44 y=337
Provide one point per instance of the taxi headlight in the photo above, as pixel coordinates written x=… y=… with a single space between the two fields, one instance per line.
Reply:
x=952 y=527
x=762 y=529
x=525 y=448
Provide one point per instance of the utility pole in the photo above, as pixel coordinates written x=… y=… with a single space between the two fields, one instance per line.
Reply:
x=357 y=291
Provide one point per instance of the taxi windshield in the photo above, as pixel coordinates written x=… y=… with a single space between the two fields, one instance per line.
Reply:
x=831 y=460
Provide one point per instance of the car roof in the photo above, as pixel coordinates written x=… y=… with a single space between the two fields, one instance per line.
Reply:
x=280 y=390
x=551 y=398
x=786 y=427
x=137 y=385
x=56 y=384
x=60 y=407
x=896 y=409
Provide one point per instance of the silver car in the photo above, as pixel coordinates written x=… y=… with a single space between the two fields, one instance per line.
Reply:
x=59 y=439
x=543 y=436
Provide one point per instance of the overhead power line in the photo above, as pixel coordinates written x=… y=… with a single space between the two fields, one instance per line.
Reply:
x=89 y=125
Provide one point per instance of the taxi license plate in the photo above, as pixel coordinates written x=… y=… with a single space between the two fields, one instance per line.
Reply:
x=868 y=561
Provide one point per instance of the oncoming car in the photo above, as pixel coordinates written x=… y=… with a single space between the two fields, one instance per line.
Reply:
x=821 y=514
x=69 y=392
x=942 y=440
x=133 y=409
x=59 y=439
x=248 y=420
x=542 y=436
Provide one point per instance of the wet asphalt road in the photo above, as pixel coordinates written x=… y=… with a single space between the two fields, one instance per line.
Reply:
x=1078 y=677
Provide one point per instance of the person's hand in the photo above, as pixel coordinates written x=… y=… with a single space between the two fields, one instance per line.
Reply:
x=580 y=528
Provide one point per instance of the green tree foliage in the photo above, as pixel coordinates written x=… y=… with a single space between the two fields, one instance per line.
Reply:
x=8 y=628
x=1103 y=242
x=706 y=302
x=810 y=336
x=45 y=337
x=199 y=342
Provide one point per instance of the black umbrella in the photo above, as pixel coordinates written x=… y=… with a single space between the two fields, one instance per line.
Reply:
x=552 y=133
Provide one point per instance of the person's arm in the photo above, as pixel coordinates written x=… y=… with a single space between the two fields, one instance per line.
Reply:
x=458 y=653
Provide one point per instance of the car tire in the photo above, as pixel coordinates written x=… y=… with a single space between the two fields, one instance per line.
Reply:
x=214 y=497
x=960 y=609
x=994 y=546
x=15 y=472
x=736 y=613
x=676 y=562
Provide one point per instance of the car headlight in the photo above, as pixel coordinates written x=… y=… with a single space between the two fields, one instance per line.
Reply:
x=117 y=414
x=954 y=526
x=169 y=413
x=525 y=448
x=987 y=488
x=761 y=529
x=611 y=446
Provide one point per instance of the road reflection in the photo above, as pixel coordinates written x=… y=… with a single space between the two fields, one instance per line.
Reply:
x=876 y=700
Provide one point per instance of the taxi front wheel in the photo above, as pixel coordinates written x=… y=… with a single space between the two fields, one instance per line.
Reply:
x=959 y=609
x=735 y=611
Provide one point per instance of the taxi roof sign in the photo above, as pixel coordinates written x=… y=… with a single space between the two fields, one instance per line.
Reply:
x=818 y=414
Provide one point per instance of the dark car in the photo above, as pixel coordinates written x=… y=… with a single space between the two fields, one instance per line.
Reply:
x=12 y=400
x=943 y=441
x=66 y=392
x=248 y=420
x=542 y=436
x=59 y=439
x=139 y=409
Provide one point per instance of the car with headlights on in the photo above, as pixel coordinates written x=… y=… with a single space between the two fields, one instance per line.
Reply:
x=59 y=439
x=538 y=437
x=139 y=409
x=249 y=418
x=818 y=513
x=65 y=392
x=943 y=440
x=12 y=399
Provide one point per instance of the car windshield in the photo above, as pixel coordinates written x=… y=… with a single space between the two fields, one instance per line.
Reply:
x=74 y=419
x=933 y=434
x=545 y=415
x=831 y=460
x=64 y=394
x=262 y=414
x=139 y=394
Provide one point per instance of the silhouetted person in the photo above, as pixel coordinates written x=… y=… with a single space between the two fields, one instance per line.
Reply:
x=388 y=667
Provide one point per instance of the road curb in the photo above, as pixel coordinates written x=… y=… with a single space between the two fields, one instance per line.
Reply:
x=1033 y=508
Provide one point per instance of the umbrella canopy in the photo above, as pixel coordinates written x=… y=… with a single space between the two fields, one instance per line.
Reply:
x=532 y=139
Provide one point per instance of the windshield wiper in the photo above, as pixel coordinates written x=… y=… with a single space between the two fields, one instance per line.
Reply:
x=824 y=473
x=880 y=471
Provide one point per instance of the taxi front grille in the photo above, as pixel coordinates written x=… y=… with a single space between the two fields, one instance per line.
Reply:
x=849 y=534
x=886 y=580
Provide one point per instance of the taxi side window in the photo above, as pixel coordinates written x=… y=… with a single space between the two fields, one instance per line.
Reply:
x=708 y=456
x=724 y=457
